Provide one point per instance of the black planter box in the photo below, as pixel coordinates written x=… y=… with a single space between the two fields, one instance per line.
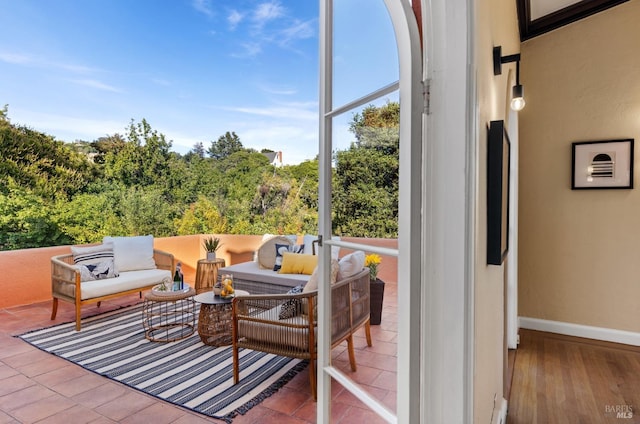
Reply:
x=376 y=289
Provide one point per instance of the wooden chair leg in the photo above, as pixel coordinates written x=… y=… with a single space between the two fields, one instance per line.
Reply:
x=78 y=318
x=367 y=331
x=352 y=354
x=54 y=308
x=236 y=366
x=312 y=378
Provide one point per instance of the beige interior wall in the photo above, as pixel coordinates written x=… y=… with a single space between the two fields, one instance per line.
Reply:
x=579 y=255
x=496 y=24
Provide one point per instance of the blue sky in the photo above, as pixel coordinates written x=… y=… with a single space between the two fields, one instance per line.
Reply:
x=194 y=69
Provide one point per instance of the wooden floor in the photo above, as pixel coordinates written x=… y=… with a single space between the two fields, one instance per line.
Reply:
x=562 y=379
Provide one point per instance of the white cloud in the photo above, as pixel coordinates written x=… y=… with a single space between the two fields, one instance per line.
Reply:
x=66 y=128
x=292 y=111
x=284 y=91
x=79 y=69
x=234 y=19
x=16 y=58
x=97 y=84
x=161 y=81
x=250 y=50
x=40 y=62
x=267 y=12
x=203 y=6
x=297 y=31
x=283 y=33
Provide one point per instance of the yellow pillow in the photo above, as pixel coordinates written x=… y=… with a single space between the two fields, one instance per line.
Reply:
x=297 y=263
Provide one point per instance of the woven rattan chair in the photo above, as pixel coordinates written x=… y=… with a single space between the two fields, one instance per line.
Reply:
x=257 y=324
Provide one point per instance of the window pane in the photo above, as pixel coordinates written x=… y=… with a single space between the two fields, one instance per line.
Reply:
x=365 y=52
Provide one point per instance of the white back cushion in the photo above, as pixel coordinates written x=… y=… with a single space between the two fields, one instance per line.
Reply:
x=132 y=253
x=308 y=239
x=351 y=264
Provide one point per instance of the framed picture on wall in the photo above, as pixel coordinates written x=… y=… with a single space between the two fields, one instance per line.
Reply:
x=498 y=163
x=602 y=164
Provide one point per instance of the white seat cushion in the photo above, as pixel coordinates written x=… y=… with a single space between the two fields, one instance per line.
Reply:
x=126 y=281
x=251 y=271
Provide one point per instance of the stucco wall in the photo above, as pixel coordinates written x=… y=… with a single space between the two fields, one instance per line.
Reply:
x=26 y=274
x=579 y=256
x=496 y=24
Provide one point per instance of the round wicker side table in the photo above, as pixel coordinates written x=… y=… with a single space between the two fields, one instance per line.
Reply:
x=215 y=318
x=168 y=317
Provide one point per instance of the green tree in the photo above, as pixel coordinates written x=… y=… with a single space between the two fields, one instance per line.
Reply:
x=365 y=197
x=142 y=160
x=109 y=144
x=143 y=211
x=198 y=149
x=136 y=185
x=38 y=162
x=225 y=146
x=278 y=207
x=88 y=217
x=307 y=175
x=26 y=221
x=4 y=115
x=202 y=217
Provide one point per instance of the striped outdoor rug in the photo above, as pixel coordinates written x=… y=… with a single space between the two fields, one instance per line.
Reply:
x=186 y=372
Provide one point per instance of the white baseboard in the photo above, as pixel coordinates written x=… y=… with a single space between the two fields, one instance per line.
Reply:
x=502 y=414
x=578 y=330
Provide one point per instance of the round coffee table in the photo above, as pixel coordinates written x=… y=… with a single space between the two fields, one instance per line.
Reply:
x=215 y=318
x=169 y=316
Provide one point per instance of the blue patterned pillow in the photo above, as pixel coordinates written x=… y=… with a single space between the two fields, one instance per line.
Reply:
x=281 y=248
x=291 y=307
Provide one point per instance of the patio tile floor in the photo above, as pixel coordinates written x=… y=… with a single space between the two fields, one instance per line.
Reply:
x=36 y=387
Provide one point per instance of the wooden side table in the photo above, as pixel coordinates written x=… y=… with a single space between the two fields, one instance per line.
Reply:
x=214 y=321
x=167 y=317
x=207 y=274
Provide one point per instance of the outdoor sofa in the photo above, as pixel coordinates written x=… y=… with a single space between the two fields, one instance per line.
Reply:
x=117 y=267
x=265 y=274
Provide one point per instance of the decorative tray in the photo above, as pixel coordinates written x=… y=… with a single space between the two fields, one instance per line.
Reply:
x=158 y=292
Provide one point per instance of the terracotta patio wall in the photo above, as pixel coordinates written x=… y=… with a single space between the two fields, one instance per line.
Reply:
x=26 y=273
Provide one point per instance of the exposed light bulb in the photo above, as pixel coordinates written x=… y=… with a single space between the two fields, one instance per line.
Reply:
x=518 y=104
x=517 y=98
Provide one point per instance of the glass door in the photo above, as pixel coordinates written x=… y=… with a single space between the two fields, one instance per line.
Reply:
x=370 y=60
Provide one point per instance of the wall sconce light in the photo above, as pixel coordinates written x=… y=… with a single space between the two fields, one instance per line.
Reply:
x=517 y=95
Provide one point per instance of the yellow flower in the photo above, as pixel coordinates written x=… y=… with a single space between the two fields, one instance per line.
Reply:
x=372 y=261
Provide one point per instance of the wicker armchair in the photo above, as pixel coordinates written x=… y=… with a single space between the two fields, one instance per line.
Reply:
x=257 y=324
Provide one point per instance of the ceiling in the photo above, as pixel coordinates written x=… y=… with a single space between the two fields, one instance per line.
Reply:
x=536 y=17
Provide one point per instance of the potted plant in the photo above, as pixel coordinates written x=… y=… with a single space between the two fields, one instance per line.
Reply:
x=376 y=287
x=211 y=245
